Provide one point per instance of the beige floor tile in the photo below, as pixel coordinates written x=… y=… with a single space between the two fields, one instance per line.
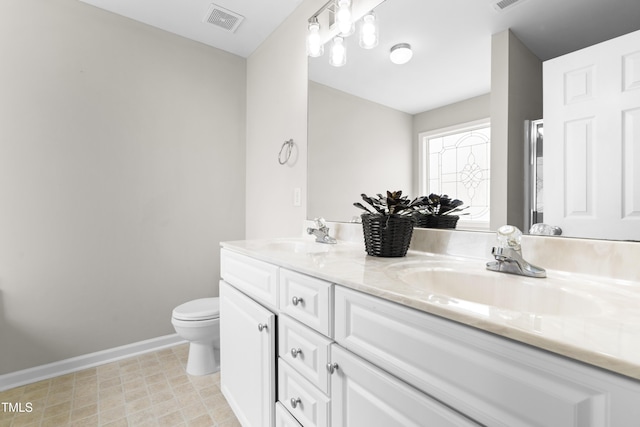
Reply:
x=105 y=404
x=231 y=422
x=83 y=399
x=148 y=390
x=172 y=419
x=135 y=394
x=165 y=407
x=221 y=413
x=194 y=410
x=91 y=421
x=113 y=414
x=57 y=421
x=201 y=421
x=57 y=410
x=138 y=405
x=122 y=422
x=154 y=378
x=84 y=412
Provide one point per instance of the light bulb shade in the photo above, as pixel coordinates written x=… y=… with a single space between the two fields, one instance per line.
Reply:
x=401 y=53
x=369 y=31
x=343 y=18
x=315 y=47
x=338 y=52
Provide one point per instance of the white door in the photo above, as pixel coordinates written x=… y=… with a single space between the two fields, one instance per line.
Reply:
x=362 y=395
x=247 y=357
x=592 y=140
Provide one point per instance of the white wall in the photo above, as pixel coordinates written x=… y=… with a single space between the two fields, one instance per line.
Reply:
x=355 y=146
x=121 y=169
x=277 y=111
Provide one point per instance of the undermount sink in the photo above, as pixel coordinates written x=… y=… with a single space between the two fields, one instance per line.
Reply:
x=455 y=284
x=298 y=246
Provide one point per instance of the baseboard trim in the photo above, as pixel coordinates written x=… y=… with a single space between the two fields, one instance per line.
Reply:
x=50 y=370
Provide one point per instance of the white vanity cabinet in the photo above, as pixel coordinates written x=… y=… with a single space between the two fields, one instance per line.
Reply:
x=248 y=338
x=345 y=358
x=492 y=380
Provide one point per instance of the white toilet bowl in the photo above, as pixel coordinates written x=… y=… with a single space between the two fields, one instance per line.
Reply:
x=198 y=322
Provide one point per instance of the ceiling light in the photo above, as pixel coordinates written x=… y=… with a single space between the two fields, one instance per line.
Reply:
x=401 y=53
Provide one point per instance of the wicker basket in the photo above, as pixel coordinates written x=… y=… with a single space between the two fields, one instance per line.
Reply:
x=387 y=236
x=436 y=221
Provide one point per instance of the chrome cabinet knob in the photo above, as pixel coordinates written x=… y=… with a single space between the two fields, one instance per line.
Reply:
x=296 y=300
x=261 y=326
x=295 y=401
x=295 y=352
x=332 y=367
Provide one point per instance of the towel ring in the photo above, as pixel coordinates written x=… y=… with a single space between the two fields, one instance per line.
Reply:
x=287 y=152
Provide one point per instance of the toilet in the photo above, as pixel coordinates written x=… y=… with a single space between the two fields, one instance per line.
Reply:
x=198 y=322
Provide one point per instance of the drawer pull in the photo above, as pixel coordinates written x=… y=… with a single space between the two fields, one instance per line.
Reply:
x=295 y=352
x=261 y=326
x=332 y=367
x=295 y=401
x=296 y=300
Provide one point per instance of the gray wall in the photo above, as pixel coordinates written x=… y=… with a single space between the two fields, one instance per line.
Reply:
x=277 y=111
x=122 y=167
x=516 y=96
x=355 y=146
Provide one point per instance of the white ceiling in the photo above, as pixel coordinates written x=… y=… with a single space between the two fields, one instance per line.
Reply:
x=451 y=39
x=184 y=17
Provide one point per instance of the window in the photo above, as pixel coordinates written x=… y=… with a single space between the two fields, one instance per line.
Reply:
x=456 y=161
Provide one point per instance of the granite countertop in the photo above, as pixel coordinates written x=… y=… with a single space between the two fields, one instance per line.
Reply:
x=588 y=318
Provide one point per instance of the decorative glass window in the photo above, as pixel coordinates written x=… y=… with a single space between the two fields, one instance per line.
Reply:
x=456 y=161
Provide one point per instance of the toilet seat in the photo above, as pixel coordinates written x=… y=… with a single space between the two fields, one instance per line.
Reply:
x=198 y=309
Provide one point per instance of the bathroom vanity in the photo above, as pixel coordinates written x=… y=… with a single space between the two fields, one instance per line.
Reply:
x=324 y=335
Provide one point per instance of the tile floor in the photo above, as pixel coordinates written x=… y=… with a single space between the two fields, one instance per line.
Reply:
x=148 y=390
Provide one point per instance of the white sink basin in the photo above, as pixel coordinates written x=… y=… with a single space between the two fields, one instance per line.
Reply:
x=457 y=284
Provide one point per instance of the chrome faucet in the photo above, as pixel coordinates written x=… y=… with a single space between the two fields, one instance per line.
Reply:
x=321 y=232
x=508 y=255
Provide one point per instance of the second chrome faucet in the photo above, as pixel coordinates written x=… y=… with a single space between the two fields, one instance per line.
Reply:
x=508 y=255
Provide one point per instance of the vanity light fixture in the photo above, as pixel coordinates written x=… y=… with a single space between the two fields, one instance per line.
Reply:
x=401 y=53
x=369 y=31
x=315 y=47
x=335 y=20
x=343 y=18
x=338 y=52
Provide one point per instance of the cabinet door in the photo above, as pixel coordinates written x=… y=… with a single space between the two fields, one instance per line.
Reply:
x=363 y=395
x=247 y=357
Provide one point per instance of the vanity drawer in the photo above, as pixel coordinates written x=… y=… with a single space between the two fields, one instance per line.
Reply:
x=307 y=299
x=258 y=279
x=305 y=350
x=284 y=418
x=494 y=381
x=304 y=401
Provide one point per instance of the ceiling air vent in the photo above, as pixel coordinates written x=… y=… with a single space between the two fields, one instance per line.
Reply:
x=223 y=18
x=504 y=4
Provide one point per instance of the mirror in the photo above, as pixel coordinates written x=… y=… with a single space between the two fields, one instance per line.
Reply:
x=364 y=117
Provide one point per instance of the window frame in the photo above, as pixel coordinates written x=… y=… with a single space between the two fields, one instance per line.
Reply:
x=423 y=163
